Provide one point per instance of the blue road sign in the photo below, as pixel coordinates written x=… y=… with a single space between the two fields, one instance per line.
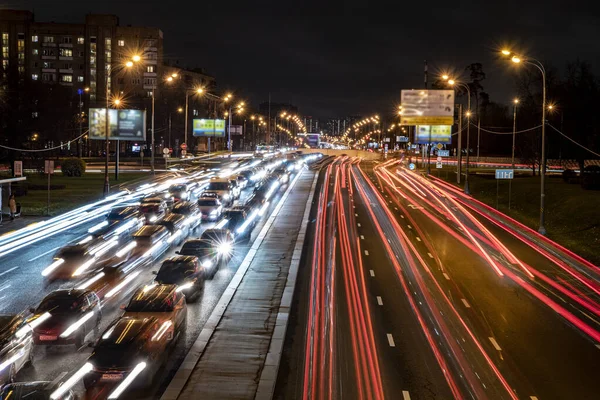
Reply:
x=443 y=153
x=505 y=174
x=411 y=166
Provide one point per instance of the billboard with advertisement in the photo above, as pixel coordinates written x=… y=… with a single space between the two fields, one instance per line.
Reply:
x=123 y=124
x=427 y=107
x=439 y=134
x=312 y=140
x=208 y=127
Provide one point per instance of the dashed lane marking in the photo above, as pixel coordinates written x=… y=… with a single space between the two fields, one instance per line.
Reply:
x=366 y=252
x=405 y=395
x=466 y=303
x=409 y=227
x=362 y=237
x=379 y=300
x=9 y=270
x=495 y=344
x=418 y=238
x=390 y=339
x=372 y=272
x=430 y=255
x=446 y=276
x=358 y=224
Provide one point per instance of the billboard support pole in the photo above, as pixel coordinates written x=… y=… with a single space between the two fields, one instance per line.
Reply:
x=152 y=139
x=106 y=144
x=459 y=152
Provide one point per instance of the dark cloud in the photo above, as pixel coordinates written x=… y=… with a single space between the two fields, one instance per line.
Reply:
x=341 y=58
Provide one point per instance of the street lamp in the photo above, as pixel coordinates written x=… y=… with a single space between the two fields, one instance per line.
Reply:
x=454 y=83
x=531 y=61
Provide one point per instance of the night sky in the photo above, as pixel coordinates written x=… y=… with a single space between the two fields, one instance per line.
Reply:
x=339 y=59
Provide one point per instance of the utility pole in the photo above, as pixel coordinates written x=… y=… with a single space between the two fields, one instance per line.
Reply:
x=459 y=152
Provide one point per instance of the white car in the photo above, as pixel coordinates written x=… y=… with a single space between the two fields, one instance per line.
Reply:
x=16 y=346
x=211 y=208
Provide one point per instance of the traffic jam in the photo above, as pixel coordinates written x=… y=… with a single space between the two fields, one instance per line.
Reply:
x=200 y=219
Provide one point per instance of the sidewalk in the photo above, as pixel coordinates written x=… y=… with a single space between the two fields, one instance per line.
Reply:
x=237 y=354
x=7 y=226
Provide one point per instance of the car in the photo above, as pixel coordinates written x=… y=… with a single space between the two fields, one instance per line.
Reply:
x=222 y=188
x=190 y=211
x=182 y=191
x=241 y=221
x=65 y=317
x=176 y=225
x=67 y=260
x=153 y=209
x=128 y=344
x=37 y=390
x=267 y=188
x=16 y=346
x=185 y=272
x=210 y=208
x=236 y=191
x=242 y=181
x=163 y=301
x=283 y=174
x=151 y=240
x=213 y=249
x=123 y=220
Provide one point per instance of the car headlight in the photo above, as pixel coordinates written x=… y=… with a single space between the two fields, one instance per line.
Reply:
x=224 y=248
x=226 y=196
x=207 y=263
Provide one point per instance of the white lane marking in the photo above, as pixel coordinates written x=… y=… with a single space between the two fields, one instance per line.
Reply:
x=446 y=276
x=372 y=272
x=418 y=238
x=358 y=224
x=379 y=300
x=533 y=397
x=495 y=344
x=402 y=216
x=9 y=270
x=353 y=206
x=43 y=254
x=396 y=208
x=409 y=227
x=362 y=237
x=355 y=214
x=390 y=339
x=405 y=395
x=466 y=303
x=366 y=252
x=430 y=255
x=598 y=346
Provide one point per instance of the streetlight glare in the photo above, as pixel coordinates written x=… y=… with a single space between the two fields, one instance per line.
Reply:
x=129 y=64
x=170 y=79
x=174 y=75
x=516 y=101
x=445 y=77
x=451 y=81
x=516 y=59
x=180 y=109
x=136 y=58
x=199 y=90
x=506 y=52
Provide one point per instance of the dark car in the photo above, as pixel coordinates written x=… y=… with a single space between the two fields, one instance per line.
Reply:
x=67 y=315
x=176 y=224
x=241 y=221
x=39 y=390
x=212 y=249
x=267 y=188
x=182 y=191
x=128 y=343
x=154 y=209
x=16 y=345
x=185 y=272
x=191 y=211
x=121 y=221
x=283 y=174
x=151 y=240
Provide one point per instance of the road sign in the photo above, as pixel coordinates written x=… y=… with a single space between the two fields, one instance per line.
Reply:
x=166 y=151
x=438 y=164
x=439 y=159
x=411 y=166
x=505 y=174
x=18 y=169
x=444 y=153
x=49 y=167
x=402 y=139
x=183 y=146
x=440 y=146
x=183 y=153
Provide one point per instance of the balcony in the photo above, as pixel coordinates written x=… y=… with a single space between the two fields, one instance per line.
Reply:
x=66 y=83
x=48 y=44
x=66 y=70
x=68 y=45
x=65 y=58
x=150 y=74
x=48 y=57
x=48 y=69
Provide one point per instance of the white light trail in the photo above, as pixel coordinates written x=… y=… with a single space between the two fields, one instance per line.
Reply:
x=126 y=249
x=77 y=325
x=98 y=227
x=65 y=387
x=127 y=381
x=185 y=286
x=84 y=266
x=121 y=285
x=90 y=281
x=52 y=267
x=161 y=331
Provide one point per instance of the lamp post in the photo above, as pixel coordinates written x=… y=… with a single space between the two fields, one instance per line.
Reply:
x=531 y=61
x=106 y=134
x=454 y=83
x=512 y=159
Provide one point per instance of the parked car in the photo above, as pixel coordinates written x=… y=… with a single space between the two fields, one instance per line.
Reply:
x=69 y=315
x=185 y=272
x=190 y=211
x=38 y=390
x=210 y=208
x=16 y=346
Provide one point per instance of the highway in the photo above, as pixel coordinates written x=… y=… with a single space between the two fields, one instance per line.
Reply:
x=22 y=285
x=412 y=290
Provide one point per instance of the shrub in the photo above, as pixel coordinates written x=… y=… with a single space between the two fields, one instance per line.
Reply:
x=72 y=166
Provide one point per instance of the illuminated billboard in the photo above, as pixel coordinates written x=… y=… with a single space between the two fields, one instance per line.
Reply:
x=208 y=127
x=312 y=140
x=439 y=134
x=123 y=124
x=427 y=107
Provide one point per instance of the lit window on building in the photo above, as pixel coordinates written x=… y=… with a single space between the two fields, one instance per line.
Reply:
x=66 y=78
x=80 y=40
x=34 y=38
x=80 y=79
x=34 y=114
x=150 y=68
x=149 y=93
x=34 y=77
x=48 y=39
x=66 y=53
x=67 y=39
x=195 y=113
x=5 y=51
x=120 y=43
x=35 y=52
